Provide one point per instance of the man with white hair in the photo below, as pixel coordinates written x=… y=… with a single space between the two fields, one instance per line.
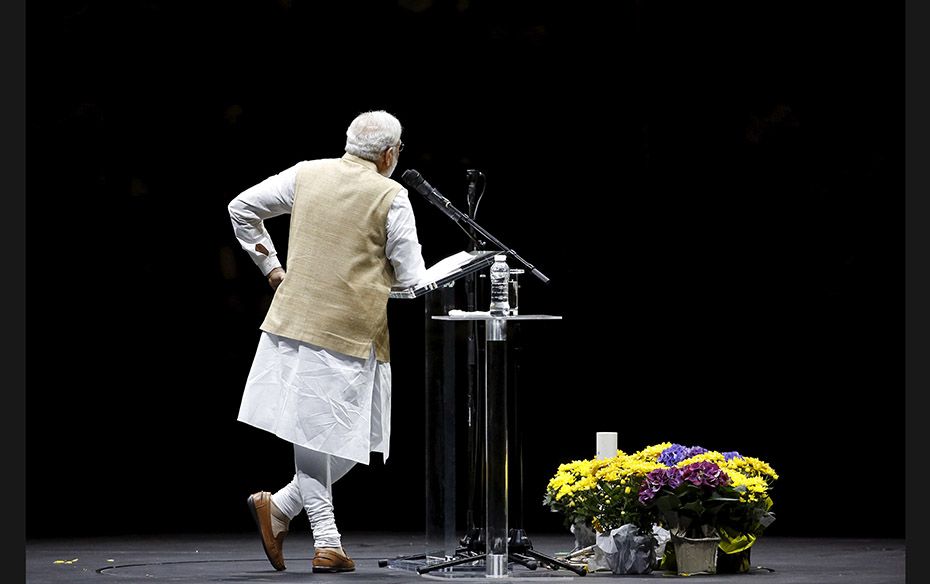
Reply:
x=321 y=376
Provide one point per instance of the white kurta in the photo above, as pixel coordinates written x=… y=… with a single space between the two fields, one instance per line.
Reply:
x=302 y=393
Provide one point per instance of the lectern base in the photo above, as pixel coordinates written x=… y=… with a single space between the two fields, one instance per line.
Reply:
x=520 y=561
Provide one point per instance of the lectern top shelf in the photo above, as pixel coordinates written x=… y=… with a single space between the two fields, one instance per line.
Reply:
x=482 y=316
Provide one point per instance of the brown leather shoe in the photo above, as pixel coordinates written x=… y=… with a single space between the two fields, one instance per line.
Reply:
x=332 y=560
x=260 y=506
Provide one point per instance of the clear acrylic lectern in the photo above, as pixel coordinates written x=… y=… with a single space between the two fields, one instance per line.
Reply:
x=495 y=466
x=466 y=420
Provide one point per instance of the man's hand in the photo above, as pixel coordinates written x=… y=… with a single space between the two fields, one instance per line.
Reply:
x=275 y=277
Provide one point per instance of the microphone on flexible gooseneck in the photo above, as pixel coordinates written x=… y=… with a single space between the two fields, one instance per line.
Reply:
x=470 y=192
x=415 y=180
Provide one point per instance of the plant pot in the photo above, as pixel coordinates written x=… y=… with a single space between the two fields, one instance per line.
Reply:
x=735 y=563
x=628 y=550
x=584 y=534
x=696 y=556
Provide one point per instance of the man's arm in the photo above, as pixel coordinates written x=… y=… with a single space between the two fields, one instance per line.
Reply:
x=403 y=246
x=272 y=197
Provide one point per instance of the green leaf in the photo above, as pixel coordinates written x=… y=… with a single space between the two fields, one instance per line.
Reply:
x=668 y=503
x=695 y=507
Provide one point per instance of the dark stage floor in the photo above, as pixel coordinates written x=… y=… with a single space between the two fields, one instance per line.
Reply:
x=239 y=558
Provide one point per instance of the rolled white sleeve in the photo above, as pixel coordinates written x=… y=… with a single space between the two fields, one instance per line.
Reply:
x=403 y=246
x=272 y=197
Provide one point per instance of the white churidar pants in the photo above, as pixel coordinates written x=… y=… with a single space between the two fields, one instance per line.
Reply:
x=311 y=490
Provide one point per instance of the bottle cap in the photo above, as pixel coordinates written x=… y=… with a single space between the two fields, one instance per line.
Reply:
x=500 y=257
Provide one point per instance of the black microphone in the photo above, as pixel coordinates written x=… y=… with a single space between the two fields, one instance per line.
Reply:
x=472 y=181
x=415 y=180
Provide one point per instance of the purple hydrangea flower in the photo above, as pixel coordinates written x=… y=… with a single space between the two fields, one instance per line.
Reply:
x=676 y=453
x=655 y=480
x=706 y=474
x=728 y=456
x=694 y=451
x=652 y=484
x=673 y=455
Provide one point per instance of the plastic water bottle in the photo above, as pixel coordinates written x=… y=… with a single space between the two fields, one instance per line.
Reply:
x=500 y=283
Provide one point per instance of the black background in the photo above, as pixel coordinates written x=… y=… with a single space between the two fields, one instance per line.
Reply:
x=714 y=191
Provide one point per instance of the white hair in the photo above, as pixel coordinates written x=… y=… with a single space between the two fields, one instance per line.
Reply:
x=371 y=133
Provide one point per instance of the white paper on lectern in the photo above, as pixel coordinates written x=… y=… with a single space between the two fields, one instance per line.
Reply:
x=444 y=269
x=446 y=266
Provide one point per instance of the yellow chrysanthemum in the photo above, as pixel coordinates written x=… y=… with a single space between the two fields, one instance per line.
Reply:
x=610 y=475
x=651 y=453
x=585 y=483
x=562 y=478
x=750 y=466
x=565 y=490
x=709 y=456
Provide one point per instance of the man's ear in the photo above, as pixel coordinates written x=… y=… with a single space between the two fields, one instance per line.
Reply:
x=384 y=160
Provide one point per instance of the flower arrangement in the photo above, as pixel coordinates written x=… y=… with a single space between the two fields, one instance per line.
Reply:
x=614 y=500
x=688 y=498
x=603 y=493
x=751 y=479
x=571 y=491
x=691 y=491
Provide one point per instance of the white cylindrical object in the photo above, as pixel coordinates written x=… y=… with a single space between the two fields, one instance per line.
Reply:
x=606 y=445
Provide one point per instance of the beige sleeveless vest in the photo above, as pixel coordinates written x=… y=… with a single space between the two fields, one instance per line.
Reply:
x=338 y=278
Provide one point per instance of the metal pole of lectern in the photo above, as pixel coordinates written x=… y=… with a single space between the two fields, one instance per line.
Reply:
x=495 y=448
